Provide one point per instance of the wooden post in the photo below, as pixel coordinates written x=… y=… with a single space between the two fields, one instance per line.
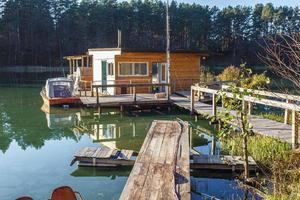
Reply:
x=70 y=66
x=168 y=92
x=85 y=89
x=134 y=93
x=286 y=114
x=130 y=88
x=192 y=101
x=249 y=108
x=74 y=66
x=295 y=130
x=92 y=90
x=244 y=106
x=97 y=93
x=214 y=105
x=99 y=110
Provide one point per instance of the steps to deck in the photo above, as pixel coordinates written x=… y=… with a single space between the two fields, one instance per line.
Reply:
x=161 y=170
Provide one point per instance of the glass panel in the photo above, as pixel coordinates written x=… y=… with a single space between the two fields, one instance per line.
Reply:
x=140 y=69
x=154 y=73
x=110 y=69
x=126 y=69
x=62 y=89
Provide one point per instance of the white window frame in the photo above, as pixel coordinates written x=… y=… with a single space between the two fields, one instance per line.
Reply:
x=119 y=71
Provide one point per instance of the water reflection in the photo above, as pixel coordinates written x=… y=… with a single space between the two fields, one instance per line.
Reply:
x=30 y=136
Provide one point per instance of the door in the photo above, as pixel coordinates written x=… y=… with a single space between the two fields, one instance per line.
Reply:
x=159 y=75
x=104 y=74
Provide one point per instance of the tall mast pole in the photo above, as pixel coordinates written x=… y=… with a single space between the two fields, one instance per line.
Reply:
x=168 y=39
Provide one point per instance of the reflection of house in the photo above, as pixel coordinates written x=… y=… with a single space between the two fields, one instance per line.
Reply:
x=58 y=121
x=120 y=65
x=105 y=133
x=112 y=131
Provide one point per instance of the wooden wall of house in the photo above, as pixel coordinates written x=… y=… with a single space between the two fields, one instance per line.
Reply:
x=185 y=69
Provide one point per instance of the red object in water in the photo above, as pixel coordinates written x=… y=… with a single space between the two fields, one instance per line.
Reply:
x=24 y=198
x=65 y=193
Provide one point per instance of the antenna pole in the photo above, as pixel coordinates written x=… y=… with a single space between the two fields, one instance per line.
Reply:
x=168 y=39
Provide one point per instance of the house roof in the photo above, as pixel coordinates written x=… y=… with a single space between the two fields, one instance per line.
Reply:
x=201 y=52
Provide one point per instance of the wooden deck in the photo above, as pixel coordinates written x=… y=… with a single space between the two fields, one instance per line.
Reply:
x=161 y=170
x=216 y=162
x=125 y=99
x=260 y=125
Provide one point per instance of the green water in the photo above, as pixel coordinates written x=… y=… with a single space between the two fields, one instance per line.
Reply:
x=36 y=148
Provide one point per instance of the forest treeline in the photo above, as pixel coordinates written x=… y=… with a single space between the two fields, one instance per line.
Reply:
x=41 y=32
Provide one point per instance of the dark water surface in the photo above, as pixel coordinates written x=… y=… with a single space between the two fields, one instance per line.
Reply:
x=36 y=148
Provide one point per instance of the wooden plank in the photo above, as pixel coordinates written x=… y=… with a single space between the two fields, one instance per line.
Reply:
x=268 y=93
x=295 y=129
x=153 y=176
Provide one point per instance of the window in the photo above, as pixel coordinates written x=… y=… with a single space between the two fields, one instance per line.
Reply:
x=140 y=69
x=110 y=69
x=133 y=69
x=126 y=69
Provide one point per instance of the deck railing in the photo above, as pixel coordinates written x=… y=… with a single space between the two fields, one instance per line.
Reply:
x=288 y=106
x=132 y=86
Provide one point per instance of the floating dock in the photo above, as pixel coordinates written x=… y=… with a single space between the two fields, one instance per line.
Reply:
x=104 y=157
x=216 y=162
x=161 y=170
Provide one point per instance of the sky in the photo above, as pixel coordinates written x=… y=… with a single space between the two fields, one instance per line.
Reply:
x=224 y=3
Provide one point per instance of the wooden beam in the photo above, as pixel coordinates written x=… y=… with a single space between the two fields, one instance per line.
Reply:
x=257 y=100
x=87 y=61
x=97 y=93
x=214 y=105
x=192 y=100
x=268 y=94
x=70 y=66
x=250 y=107
x=286 y=114
x=295 y=130
x=134 y=93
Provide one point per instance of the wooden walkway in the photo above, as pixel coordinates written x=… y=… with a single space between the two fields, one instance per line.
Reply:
x=161 y=170
x=260 y=125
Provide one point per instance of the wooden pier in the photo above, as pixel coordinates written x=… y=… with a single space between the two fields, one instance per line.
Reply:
x=161 y=170
x=283 y=131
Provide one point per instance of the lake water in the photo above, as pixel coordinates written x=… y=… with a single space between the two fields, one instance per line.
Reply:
x=36 y=148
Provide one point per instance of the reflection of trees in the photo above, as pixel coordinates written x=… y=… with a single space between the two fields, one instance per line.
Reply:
x=5 y=141
x=21 y=120
x=25 y=122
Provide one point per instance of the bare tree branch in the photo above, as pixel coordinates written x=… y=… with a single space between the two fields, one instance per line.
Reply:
x=282 y=56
